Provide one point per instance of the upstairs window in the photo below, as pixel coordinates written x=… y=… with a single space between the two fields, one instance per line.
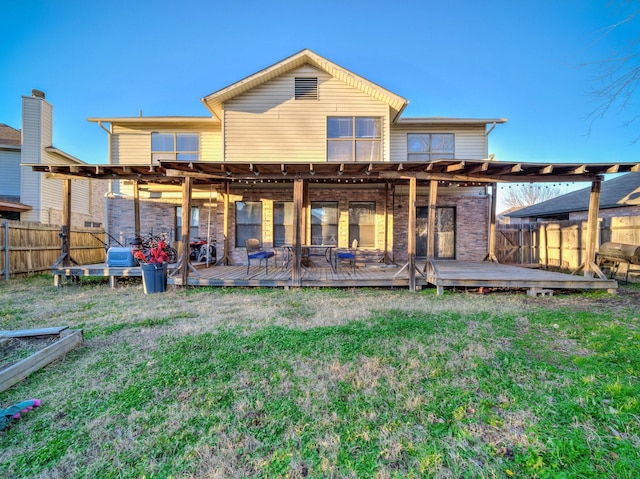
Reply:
x=430 y=146
x=306 y=89
x=354 y=138
x=175 y=147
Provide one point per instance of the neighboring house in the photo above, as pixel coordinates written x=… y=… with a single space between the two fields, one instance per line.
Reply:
x=26 y=195
x=300 y=112
x=10 y=147
x=618 y=197
x=503 y=217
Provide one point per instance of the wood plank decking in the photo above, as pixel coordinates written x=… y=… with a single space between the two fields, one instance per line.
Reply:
x=447 y=273
x=377 y=276
x=493 y=275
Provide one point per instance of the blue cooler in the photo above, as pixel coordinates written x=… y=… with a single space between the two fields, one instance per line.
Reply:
x=122 y=257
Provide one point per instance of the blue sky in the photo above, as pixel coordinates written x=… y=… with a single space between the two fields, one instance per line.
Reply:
x=519 y=60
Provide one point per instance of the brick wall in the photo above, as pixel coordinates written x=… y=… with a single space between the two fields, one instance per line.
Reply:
x=471 y=217
x=326 y=193
x=155 y=217
x=97 y=190
x=472 y=224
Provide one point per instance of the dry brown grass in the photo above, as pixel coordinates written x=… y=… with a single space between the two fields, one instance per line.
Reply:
x=125 y=328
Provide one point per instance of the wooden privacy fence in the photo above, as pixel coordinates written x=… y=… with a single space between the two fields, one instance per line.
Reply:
x=32 y=247
x=560 y=244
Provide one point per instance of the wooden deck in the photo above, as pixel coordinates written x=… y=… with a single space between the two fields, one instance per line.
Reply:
x=492 y=275
x=461 y=274
x=366 y=276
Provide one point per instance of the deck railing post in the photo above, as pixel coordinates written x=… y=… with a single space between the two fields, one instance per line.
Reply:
x=431 y=225
x=136 y=208
x=589 y=266
x=298 y=198
x=411 y=230
x=186 y=228
x=592 y=228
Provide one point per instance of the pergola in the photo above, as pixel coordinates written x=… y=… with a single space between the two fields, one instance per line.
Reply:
x=434 y=173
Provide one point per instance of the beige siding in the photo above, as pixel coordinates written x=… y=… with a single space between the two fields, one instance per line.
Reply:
x=129 y=146
x=470 y=142
x=211 y=145
x=81 y=197
x=133 y=145
x=267 y=124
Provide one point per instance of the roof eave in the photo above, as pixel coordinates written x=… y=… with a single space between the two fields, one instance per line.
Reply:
x=15 y=207
x=449 y=121
x=154 y=119
x=10 y=147
x=61 y=154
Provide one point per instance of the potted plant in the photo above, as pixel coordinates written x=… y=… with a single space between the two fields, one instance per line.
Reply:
x=154 y=268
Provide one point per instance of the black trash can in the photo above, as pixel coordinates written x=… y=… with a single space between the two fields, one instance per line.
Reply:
x=154 y=277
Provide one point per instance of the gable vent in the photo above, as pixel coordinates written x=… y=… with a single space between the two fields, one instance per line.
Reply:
x=306 y=89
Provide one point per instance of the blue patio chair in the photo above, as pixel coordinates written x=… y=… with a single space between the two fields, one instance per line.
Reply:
x=348 y=256
x=255 y=251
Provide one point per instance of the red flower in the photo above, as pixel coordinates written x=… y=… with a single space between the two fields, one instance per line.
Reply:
x=158 y=254
x=139 y=255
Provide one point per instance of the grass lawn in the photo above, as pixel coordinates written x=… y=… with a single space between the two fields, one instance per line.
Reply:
x=235 y=383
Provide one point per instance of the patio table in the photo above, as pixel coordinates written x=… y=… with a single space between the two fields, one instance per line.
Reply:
x=310 y=250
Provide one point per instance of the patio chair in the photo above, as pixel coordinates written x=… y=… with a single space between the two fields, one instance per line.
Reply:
x=255 y=251
x=284 y=251
x=348 y=255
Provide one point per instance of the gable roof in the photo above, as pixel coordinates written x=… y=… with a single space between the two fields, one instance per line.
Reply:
x=9 y=136
x=615 y=193
x=215 y=100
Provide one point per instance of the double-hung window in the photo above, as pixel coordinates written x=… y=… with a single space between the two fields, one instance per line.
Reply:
x=354 y=138
x=195 y=222
x=248 y=221
x=282 y=223
x=324 y=222
x=430 y=146
x=362 y=223
x=175 y=147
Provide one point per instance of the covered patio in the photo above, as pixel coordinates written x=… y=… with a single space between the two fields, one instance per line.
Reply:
x=413 y=274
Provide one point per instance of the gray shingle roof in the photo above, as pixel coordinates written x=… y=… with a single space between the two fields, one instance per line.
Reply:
x=9 y=136
x=615 y=193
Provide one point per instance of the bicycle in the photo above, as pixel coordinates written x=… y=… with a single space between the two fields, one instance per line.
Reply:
x=149 y=242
